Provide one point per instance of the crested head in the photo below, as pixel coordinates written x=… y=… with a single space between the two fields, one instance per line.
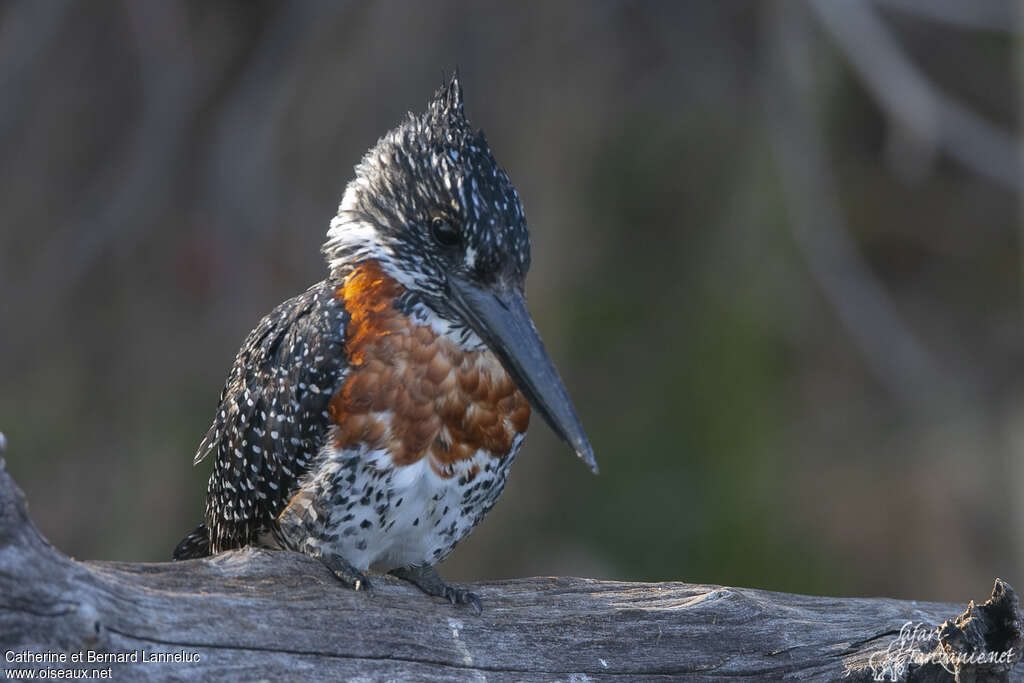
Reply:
x=435 y=212
x=429 y=201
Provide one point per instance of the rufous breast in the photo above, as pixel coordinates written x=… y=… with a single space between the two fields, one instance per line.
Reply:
x=415 y=392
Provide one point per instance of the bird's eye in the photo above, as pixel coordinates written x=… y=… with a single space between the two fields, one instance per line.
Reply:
x=444 y=231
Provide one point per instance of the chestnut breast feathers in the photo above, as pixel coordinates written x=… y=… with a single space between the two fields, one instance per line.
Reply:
x=416 y=392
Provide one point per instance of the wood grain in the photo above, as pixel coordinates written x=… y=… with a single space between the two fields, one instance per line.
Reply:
x=265 y=615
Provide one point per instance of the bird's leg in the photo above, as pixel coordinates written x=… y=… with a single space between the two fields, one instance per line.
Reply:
x=426 y=578
x=346 y=573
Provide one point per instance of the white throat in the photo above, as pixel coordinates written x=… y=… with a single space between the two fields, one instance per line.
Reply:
x=351 y=239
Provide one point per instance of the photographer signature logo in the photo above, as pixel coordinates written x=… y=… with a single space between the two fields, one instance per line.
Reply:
x=919 y=645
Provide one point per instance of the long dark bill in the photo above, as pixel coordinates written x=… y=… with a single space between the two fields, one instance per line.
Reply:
x=502 y=321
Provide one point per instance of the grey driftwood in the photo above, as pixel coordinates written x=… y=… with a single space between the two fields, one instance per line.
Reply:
x=262 y=615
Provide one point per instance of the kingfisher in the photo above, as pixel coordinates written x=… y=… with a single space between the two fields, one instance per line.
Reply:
x=372 y=420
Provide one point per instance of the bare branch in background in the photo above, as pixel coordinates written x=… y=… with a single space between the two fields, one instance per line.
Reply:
x=906 y=94
x=893 y=354
x=990 y=15
x=27 y=34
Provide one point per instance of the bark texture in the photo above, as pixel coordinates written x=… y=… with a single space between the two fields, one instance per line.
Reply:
x=261 y=615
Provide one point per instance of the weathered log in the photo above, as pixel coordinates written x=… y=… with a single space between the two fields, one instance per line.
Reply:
x=264 y=615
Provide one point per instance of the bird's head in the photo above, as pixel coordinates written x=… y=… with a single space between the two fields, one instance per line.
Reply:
x=431 y=206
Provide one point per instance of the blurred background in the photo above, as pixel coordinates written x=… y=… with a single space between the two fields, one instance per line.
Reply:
x=777 y=258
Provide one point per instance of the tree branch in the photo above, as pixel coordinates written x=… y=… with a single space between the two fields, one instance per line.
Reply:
x=255 y=614
x=907 y=95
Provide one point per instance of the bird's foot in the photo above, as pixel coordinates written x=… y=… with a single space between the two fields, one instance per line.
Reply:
x=426 y=578
x=346 y=573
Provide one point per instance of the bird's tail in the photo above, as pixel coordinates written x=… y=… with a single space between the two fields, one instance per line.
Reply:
x=196 y=544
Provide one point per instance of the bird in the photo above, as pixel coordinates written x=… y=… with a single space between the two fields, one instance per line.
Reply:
x=371 y=421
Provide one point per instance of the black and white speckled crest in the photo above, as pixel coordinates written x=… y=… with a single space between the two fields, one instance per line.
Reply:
x=433 y=166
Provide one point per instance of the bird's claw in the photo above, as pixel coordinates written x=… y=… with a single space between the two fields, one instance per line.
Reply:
x=459 y=596
x=425 y=577
x=354 y=579
x=364 y=585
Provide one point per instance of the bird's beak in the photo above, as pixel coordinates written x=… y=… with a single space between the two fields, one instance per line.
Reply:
x=502 y=321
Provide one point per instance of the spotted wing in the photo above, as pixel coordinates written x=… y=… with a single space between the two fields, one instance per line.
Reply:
x=272 y=418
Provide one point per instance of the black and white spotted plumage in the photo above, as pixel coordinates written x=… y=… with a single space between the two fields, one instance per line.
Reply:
x=372 y=421
x=432 y=164
x=272 y=419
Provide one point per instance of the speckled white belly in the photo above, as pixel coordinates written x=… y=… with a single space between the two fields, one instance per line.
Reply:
x=360 y=506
